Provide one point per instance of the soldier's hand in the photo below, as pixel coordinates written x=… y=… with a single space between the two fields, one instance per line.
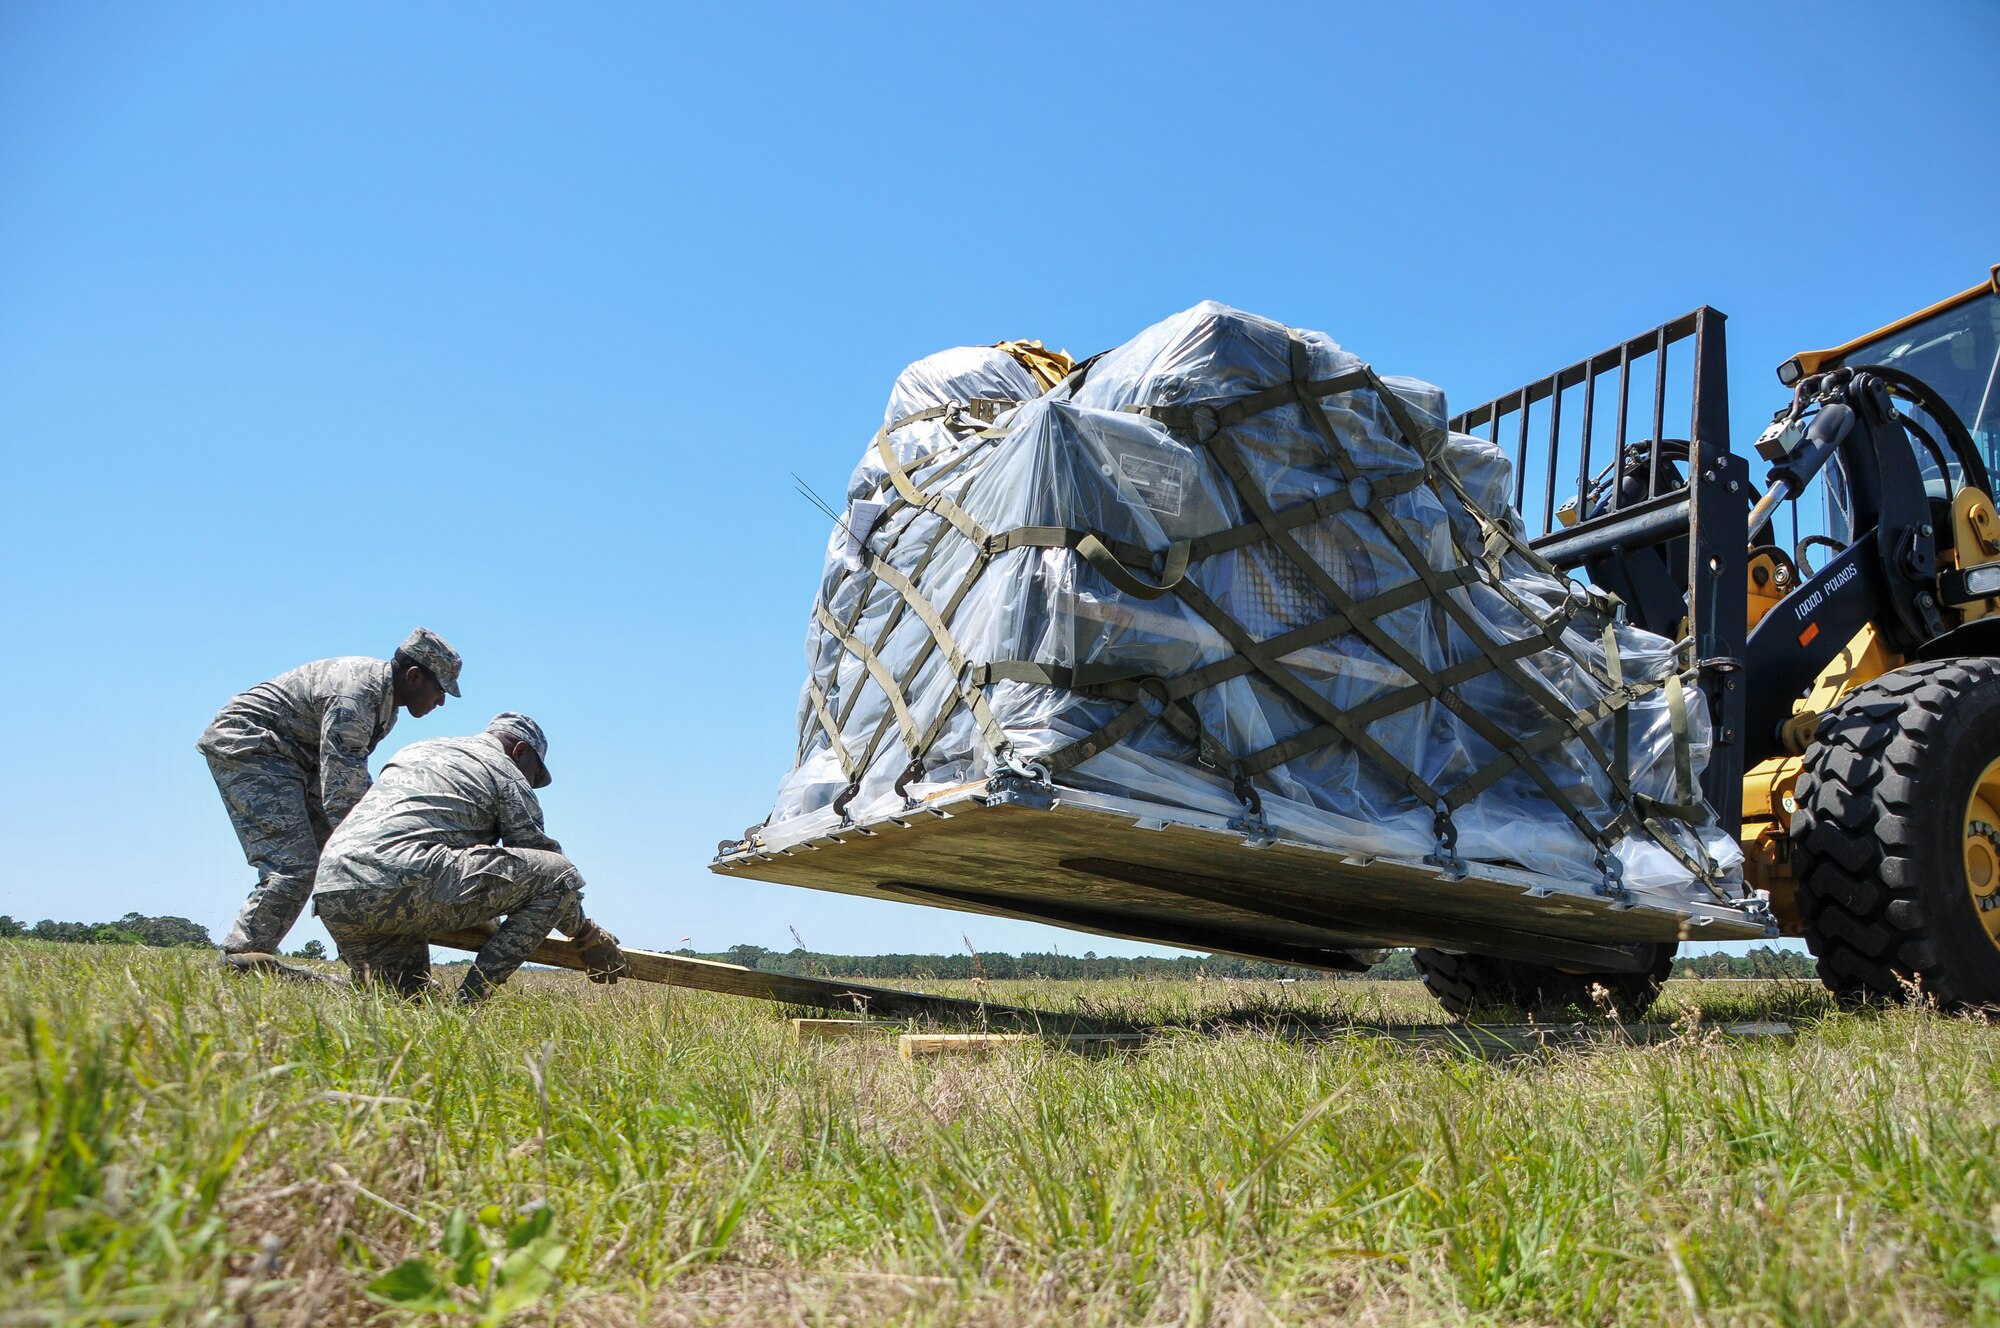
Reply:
x=602 y=960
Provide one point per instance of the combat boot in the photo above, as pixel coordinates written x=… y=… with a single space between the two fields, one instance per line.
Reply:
x=476 y=988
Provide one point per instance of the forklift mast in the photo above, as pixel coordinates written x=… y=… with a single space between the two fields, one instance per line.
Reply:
x=1668 y=526
x=1662 y=523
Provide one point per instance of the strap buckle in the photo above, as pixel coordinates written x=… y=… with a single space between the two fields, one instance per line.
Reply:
x=1021 y=782
x=1008 y=763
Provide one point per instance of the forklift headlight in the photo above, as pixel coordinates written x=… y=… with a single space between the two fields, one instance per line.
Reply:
x=1791 y=371
x=1982 y=582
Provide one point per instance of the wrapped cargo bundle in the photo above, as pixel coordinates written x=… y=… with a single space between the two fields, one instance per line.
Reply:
x=1227 y=568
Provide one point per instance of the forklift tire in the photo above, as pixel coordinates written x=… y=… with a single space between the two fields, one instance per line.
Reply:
x=1465 y=984
x=1896 y=837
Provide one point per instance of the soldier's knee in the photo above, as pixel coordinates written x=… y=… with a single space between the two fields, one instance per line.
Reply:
x=290 y=886
x=563 y=884
x=565 y=897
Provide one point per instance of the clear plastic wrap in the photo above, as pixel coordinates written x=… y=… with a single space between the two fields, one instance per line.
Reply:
x=948 y=644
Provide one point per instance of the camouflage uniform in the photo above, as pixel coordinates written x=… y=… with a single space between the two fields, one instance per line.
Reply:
x=419 y=856
x=290 y=758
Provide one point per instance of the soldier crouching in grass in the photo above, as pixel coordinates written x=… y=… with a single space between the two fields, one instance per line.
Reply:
x=290 y=758
x=422 y=854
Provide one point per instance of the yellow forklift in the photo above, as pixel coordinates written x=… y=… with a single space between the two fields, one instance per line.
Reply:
x=1855 y=695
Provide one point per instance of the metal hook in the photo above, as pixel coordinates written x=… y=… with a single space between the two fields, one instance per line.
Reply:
x=1246 y=793
x=1611 y=885
x=910 y=772
x=1445 y=851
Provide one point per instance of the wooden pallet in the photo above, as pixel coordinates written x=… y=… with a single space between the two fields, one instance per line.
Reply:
x=1142 y=872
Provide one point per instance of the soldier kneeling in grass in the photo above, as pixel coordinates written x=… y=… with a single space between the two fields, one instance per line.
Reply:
x=423 y=853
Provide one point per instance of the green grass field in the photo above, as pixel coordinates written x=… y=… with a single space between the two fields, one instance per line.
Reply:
x=184 y=1146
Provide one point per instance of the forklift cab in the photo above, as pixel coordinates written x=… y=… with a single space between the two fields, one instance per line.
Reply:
x=1953 y=347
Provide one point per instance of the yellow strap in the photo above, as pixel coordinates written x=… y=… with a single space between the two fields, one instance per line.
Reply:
x=1048 y=366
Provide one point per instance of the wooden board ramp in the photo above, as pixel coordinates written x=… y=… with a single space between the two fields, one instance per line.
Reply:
x=851 y=998
x=864 y=1005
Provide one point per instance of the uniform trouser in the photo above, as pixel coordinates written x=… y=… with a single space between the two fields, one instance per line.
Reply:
x=384 y=934
x=282 y=827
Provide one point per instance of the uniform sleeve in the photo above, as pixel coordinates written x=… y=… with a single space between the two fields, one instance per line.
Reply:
x=521 y=818
x=346 y=737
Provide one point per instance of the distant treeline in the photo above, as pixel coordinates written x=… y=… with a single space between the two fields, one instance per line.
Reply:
x=132 y=929
x=1763 y=962
x=137 y=929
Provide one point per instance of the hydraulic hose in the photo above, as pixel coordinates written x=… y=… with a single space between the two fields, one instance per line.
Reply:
x=1956 y=436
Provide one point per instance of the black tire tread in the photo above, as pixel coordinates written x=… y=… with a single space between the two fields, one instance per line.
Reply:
x=1870 y=918
x=1466 y=984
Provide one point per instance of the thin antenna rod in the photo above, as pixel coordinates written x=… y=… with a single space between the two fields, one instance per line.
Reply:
x=806 y=492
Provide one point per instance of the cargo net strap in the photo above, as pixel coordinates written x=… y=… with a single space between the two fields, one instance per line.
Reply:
x=1149 y=574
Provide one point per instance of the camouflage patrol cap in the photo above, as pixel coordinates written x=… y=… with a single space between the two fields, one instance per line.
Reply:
x=507 y=724
x=430 y=650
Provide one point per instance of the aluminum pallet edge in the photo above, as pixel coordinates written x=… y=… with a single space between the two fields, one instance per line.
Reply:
x=1139 y=871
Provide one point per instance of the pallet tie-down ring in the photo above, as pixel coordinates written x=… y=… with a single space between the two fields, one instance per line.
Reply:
x=1208 y=424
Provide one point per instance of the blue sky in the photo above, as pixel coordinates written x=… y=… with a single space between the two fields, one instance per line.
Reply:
x=318 y=323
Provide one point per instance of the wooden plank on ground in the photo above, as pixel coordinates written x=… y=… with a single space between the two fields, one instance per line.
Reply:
x=913 y=1045
x=808 y=1030
x=735 y=980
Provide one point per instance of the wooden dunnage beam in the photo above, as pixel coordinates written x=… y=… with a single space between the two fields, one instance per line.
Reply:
x=912 y=1046
x=837 y=1030
x=735 y=980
